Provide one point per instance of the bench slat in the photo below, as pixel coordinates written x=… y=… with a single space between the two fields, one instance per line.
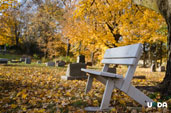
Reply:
x=129 y=51
x=128 y=61
x=106 y=74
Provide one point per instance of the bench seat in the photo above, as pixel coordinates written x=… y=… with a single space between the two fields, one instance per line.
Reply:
x=105 y=74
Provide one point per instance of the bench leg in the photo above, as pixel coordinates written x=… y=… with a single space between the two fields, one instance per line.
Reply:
x=107 y=94
x=89 y=83
x=138 y=96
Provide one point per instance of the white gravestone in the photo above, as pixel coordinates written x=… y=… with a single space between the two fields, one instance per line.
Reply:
x=50 y=64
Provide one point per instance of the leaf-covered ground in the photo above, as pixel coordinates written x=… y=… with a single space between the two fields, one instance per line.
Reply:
x=39 y=89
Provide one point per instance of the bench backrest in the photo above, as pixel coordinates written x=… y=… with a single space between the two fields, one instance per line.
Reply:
x=126 y=55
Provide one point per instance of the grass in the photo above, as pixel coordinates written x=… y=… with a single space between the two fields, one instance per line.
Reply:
x=33 y=64
x=37 y=88
x=10 y=56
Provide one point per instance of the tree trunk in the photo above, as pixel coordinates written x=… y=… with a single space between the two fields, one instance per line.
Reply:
x=92 y=57
x=161 y=52
x=79 y=49
x=46 y=48
x=166 y=83
x=165 y=10
x=116 y=36
x=17 y=40
x=17 y=33
x=144 y=58
x=164 y=7
x=68 y=47
x=27 y=45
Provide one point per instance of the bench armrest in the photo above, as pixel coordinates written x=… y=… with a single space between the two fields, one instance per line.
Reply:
x=101 y=73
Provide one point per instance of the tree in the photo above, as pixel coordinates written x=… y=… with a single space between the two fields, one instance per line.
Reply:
x=102 y=24
x=163 y=7
x=44 y=28
x=8 y=22
x=10 y=25
x=5 y=4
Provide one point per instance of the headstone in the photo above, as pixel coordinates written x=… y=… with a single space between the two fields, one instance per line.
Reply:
x=4 y=52
x=153 y=68
x=22 y=59
x=81 y=59
x=5 y=48
x=89 y=63
x=162 y=68
x=3 y=61
x=50 y=63
x=74 y=72
x=39 y=62
x=60 y=63
x=15 y=61
x=27 y=60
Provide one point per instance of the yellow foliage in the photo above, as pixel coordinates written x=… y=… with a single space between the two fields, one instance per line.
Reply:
x=5 y=4
x=9 y=26
x=96 y=25
x=44 y=29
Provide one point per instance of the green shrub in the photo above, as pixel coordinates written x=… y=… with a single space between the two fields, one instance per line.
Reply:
x=35 y=56
x=67 y=59
x=43 y=59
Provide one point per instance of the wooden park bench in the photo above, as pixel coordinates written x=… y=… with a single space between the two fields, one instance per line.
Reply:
x=126 y=55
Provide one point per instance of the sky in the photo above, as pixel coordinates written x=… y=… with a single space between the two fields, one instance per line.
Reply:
x=22 y=1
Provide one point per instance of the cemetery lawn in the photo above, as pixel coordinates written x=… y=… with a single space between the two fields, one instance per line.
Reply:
x=36 y=88
x=10 y=56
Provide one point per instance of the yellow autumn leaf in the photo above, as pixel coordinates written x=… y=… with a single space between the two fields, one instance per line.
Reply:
x=143 y=109
x=33 y=102
x=113 y=110
x=24 y=96
x=114 y=97
x=121 y=101
x=95 y=102
x=24 y=90
x=13 y=106
x=18 y=94
x=49 y=78
x=41 y=110
x=24 y=108
x=68 y=94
